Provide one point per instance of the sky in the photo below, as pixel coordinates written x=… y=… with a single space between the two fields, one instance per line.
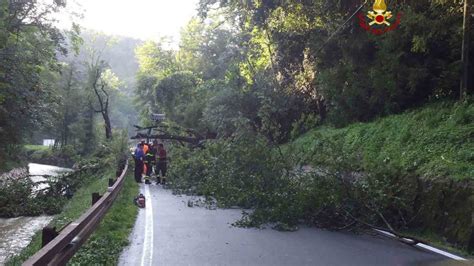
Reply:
x=141 y=19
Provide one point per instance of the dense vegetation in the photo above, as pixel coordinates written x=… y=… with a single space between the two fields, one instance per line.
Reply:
x=397 y=172
x=269 y=86
x=16 y=190
x=20 y=196
x=433 y=142
x=53 y=83
x=253 y=76
x=75 y=87
x=262 y=61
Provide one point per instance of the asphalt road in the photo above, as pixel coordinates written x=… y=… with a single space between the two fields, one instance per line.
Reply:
x=168 y=232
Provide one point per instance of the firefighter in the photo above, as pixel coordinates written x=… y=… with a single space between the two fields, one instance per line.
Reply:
x=147 y=163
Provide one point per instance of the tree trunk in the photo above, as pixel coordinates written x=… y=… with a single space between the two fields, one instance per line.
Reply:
x=65 y=129
x=465 y=50
x=108 y=126
x=88 y=142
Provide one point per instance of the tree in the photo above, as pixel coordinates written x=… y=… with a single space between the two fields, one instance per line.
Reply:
x=357 y=76
x=102 y=80
x=70 y=102
x=465 y=49
x=29 y=43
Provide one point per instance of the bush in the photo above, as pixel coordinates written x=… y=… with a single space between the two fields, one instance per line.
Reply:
x=15 y=194
x=231 y=171
x=18 y=196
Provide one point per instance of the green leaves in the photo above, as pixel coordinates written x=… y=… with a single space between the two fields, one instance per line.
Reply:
x=27 y=63
x=155 y=60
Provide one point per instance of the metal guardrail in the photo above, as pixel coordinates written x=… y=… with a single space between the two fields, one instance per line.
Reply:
x=63 y=246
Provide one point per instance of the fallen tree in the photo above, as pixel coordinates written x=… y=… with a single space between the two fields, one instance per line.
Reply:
x=193 y=137
x=192 y=140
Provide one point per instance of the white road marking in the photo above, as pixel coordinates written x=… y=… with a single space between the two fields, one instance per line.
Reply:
x=147 y=253
x=432 y=249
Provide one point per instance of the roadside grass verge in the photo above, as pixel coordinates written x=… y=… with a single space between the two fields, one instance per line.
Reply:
x=115 y=224
x=107 y=242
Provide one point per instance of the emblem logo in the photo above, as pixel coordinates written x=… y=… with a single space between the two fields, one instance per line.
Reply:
x=381 y=20
x=380 y=15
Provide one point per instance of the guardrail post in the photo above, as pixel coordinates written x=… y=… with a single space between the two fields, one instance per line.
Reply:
x=111 y=182
x=48 y=234
x=470 y=245
x=95 y=197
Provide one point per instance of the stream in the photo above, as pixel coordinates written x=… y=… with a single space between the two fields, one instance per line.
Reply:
x=16 y=233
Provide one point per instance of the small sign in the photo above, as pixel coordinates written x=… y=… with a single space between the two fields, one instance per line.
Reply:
x=157 y=117
x=48 y=142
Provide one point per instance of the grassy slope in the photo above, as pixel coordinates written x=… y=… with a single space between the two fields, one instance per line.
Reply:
x=113 y=231
x=433 y=142
x=436 y=141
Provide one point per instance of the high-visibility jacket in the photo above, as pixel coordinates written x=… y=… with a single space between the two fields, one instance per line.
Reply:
x=150 y=156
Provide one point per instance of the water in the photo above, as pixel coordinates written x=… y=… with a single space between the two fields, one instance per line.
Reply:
x=37 y=172
x=16 y=233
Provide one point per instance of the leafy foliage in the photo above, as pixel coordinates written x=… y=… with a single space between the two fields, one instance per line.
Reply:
x=28 y=43
x=266 y=72
x=354 y=76
x=381 y=174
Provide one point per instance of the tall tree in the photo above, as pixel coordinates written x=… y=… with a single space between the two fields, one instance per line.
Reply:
x=465 y=49
x=29 y=43
x=103 y=80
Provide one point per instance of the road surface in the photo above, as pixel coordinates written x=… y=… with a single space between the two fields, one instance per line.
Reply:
x=168 y=232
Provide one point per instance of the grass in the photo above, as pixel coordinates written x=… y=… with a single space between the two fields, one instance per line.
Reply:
x=107 y=242
x=30 y=147
x=436 y=141
x=112 y=234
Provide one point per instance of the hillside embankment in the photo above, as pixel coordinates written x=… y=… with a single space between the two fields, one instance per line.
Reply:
x=430 y=150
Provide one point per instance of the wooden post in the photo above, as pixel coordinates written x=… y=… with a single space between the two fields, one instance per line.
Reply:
x=465 y=50
x=95 y=197
x=48 y=234
x=470 y=244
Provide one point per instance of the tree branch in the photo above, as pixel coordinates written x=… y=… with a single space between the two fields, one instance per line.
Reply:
x=191 y=140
